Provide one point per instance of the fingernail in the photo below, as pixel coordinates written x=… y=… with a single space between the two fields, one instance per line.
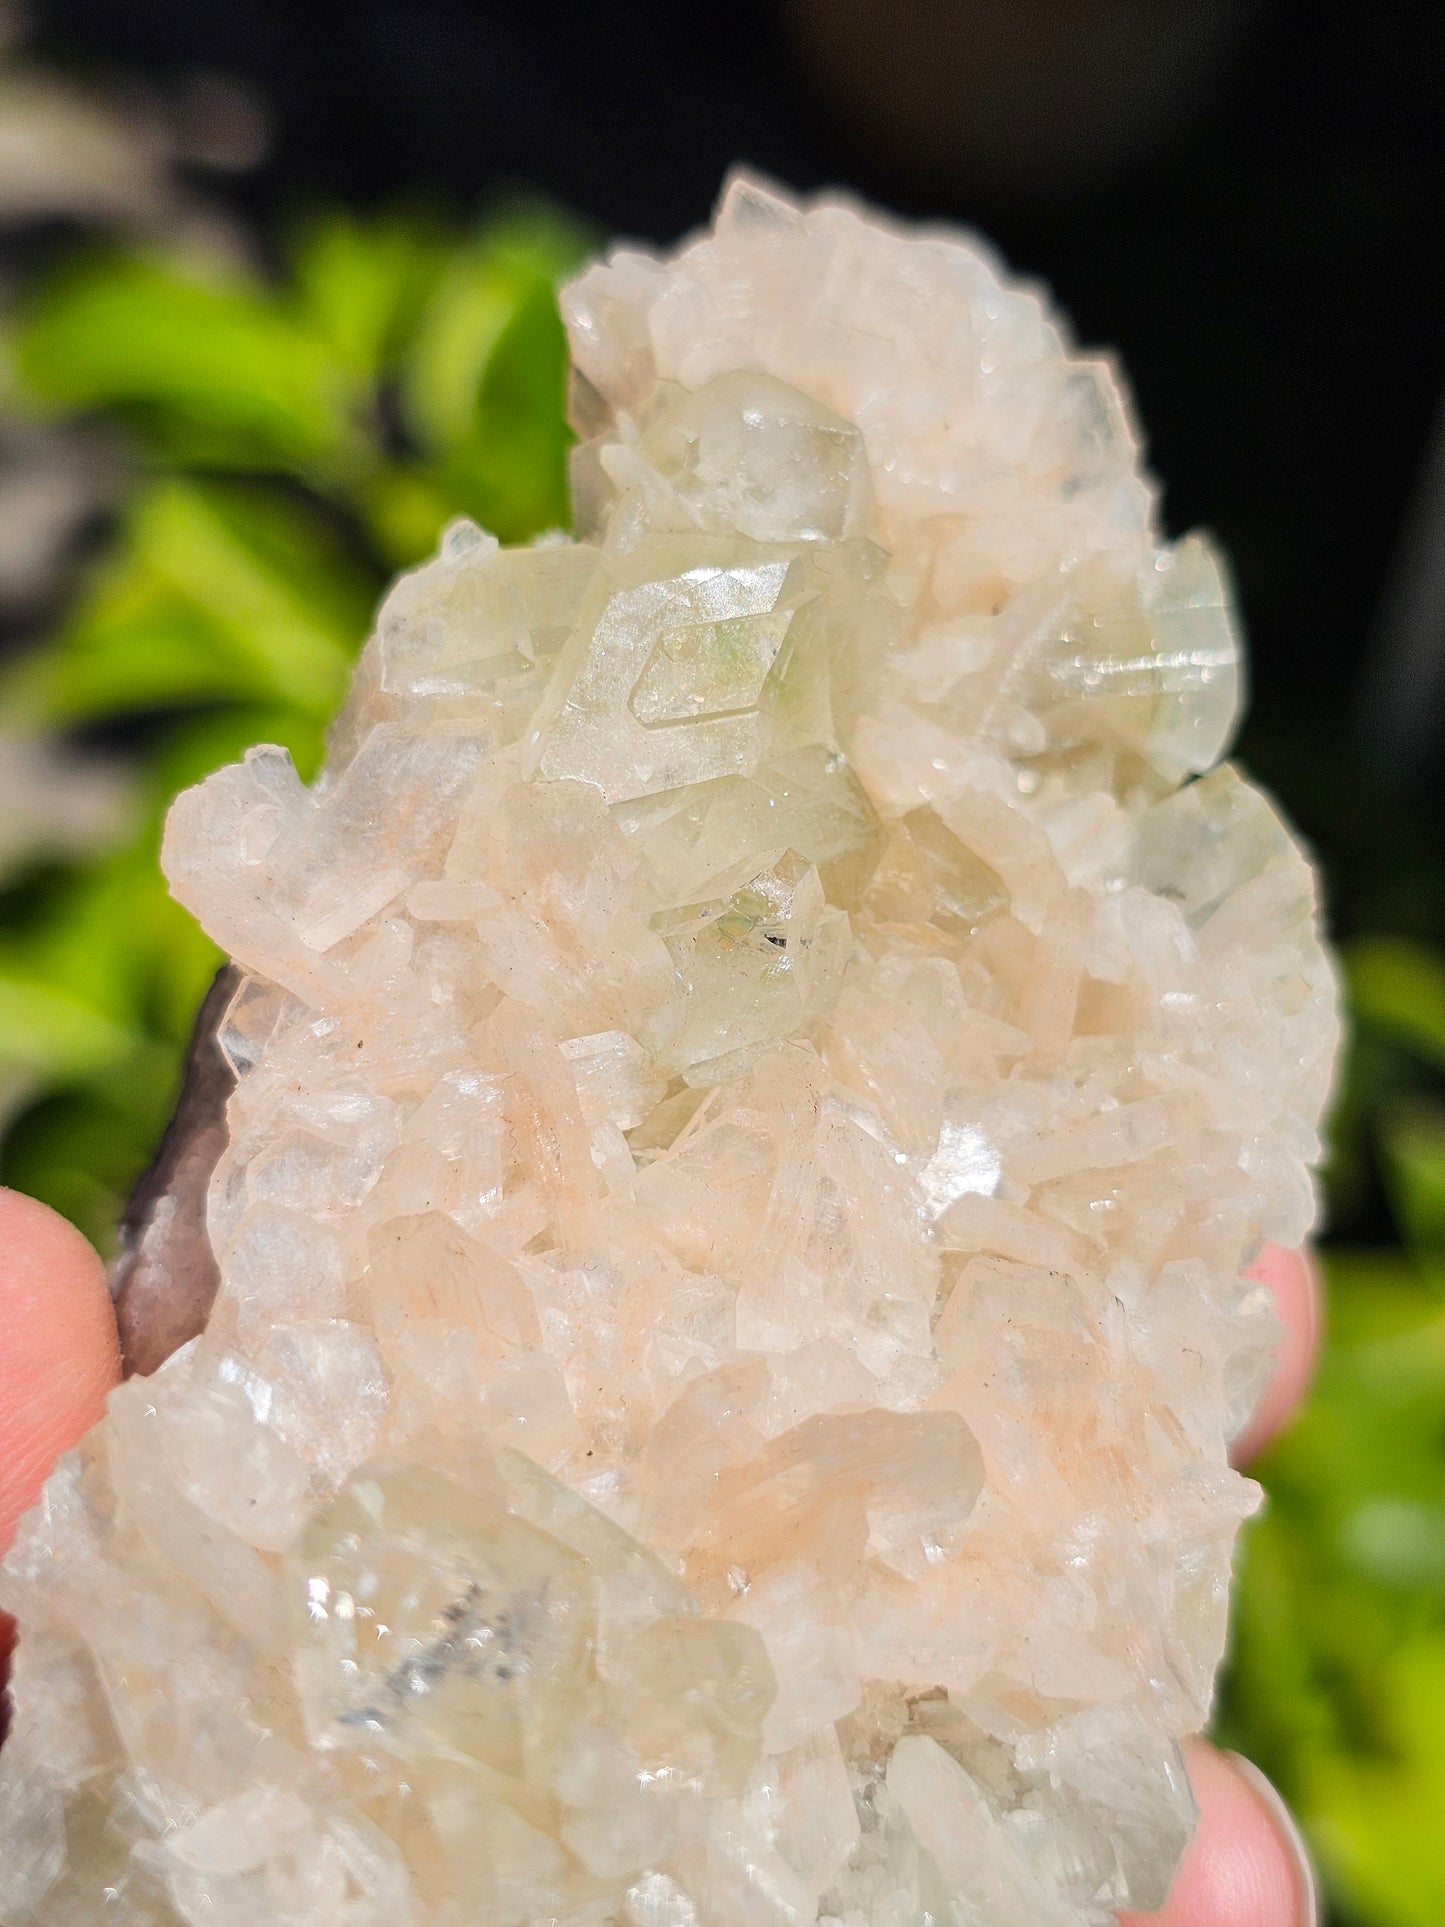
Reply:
x=1288 y=1829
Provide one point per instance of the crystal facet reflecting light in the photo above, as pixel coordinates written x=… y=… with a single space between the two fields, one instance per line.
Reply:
x=762 y=1063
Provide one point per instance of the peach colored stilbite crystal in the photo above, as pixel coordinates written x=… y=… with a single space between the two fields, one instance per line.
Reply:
x=762 y=1063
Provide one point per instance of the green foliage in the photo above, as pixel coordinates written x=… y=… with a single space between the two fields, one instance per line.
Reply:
x=294 y=442
x=213 y=371
x=1398 y=988
x=212 y=592
x=1337 y=1685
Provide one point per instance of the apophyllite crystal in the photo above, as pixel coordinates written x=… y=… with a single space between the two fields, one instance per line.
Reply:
x=761 y=1064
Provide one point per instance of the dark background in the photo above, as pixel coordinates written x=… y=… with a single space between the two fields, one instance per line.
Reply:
x=1245 y=198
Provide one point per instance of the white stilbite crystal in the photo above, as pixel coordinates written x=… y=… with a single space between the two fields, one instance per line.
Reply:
x=757 y=1089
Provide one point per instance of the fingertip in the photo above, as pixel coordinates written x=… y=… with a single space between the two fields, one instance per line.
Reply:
x=59 y=1355
x=1246 y=1865
x=1293 y=1282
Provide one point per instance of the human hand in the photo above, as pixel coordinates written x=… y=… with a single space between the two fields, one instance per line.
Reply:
x=59 y=1358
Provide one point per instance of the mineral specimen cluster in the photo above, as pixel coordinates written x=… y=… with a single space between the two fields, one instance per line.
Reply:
x=761 y=1064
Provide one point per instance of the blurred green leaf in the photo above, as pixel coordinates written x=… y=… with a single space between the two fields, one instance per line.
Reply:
x=1340 y=1605
x=511 y=471
x=281 y=613
x=214 y=368
x=133 y=646
x=464 y=325
x=1375 y=1819
x=77 y=1148
x=212 y=592
x=46 y=1029
x=404 y=508
x=483 y=380
x=1399 y=987
x=1414 y=1156
x=359 y=284
x=495 y=298
x=1373 y=1294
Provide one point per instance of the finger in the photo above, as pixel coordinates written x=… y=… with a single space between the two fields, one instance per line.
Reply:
x=58 y=1358
x=58 y=1351
x=1246 y=1865
x=1293 y=1282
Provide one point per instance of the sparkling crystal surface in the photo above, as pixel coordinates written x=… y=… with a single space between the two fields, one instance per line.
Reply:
x=761 y=1062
